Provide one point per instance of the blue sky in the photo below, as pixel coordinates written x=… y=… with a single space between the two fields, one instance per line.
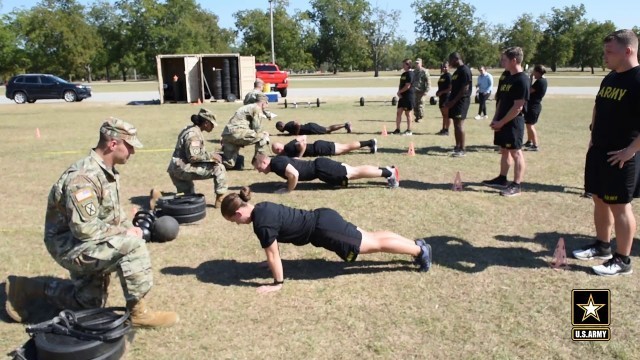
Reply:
x=493 y=11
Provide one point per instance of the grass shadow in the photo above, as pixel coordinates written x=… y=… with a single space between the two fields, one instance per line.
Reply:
x=271 y=186
x=142 y=201
x=236 y=273
x=461 y=255
x=144 y=102
x=420 y=185
x=38 y=310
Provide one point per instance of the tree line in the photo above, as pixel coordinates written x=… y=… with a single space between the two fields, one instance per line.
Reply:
x=110 y=39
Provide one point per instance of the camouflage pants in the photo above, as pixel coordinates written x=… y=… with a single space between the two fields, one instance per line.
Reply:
x=231 y=145
x=90 y=274
x=183 y=178
x=418 y=105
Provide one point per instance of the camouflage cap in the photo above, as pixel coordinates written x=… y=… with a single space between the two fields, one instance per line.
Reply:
x=120 y=129
x=262 y=97
x=207 y=115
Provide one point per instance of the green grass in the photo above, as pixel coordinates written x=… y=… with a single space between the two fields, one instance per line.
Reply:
x=489 y=295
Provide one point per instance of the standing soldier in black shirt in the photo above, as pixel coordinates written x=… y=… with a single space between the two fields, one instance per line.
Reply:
x=444 y=88
x=275 y=223
x=534 y=106
x=508 y=124
x=458 y=103
x=611 y=170
x=405 y=97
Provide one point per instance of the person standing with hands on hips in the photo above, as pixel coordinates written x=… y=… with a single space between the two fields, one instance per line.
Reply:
x=405 y=97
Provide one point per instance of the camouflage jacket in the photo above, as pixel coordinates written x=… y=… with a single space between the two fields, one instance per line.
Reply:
x=246 y=117
x=84 y=209
x=252 y=97
x=190 y=147
x=421 y=81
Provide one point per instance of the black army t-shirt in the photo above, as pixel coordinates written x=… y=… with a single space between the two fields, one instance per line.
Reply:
x=278 y=222
x=617 y=120
x=317 y=148
x=460 y=78
x=444 y=81
x=540 y=87
x=514 y=87
x=306 y=169
x=290 y=127
x=406 y=78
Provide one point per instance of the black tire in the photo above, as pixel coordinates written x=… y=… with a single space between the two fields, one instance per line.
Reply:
x=31 y=101
x=20 y=97
x=186 y=219
x=59 y=347
x=433 y=100
x=183 y=205
x=283 y=92
x=69 y=96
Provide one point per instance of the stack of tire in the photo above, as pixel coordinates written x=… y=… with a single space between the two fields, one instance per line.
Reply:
x=217 y=84
x=233 y=76
x=226 y=82
x=184 y=208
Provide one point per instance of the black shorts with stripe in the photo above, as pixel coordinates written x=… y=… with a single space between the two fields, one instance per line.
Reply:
x=610 y=183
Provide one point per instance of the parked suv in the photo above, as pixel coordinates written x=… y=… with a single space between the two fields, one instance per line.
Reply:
x=32 y=87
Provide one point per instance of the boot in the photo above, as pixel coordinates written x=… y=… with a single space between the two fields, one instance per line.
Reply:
x=219 y=198
x=142 y=316
x=154 y=195
x=20 y=292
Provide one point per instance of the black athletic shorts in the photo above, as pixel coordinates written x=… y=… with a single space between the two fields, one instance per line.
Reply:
x=406 y=102
x=331 y=172
x=334 y=233
x=312 y=129
x=532 y=114
x=460 y=109
x=510 y=136
x=610 y=183
x=442 y=99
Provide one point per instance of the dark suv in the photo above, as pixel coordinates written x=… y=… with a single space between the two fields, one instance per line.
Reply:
x=32 y=87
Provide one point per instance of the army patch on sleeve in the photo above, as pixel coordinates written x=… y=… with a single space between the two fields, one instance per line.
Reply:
x=86 y=203
x=195 y=143
x=82 y=194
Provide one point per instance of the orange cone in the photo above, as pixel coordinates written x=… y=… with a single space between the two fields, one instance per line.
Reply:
x=412 y=150
x=560 y=256
x=384 y=130
x=199 y=101
x=457 y=182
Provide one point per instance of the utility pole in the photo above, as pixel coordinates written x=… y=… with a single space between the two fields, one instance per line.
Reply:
x=273 y=53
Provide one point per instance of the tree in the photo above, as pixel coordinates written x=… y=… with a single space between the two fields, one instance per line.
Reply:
x=525 y=33
x=380 y=30
x=556 y=46
x=56 y=38
x=11 y=56
x=340 y=26
x=445 y=23
x=290 y=33
x=399 y=50
x=588 y=45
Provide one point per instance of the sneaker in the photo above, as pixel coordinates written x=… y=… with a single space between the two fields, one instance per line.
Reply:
x=418 y=120
x=527 y=144
x=485 y=117
x=407 y=133
x=393 y=180
x=512 y=190
x=443 y=132
x=424 y=259
x=531 y=148
x=459 y=153
x=613 y=267
x=496 y=182
x=347 y=126
x=592 y=251
x=478 y=117
x=396 y=131
x=374 y=147
x=587 y=195
x=154 y=195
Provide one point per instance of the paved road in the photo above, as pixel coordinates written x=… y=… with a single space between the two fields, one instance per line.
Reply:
x=306 y=94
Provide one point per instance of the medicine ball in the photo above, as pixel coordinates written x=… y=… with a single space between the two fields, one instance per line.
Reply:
x=165 y=229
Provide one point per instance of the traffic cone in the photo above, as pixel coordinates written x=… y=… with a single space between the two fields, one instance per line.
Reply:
x=199 y=101
x=457 y=182
x=37 y=133
x=412 y=150
x=560 y=256
x=384 y=130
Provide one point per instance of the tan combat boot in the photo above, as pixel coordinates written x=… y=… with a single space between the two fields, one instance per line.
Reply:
x=154 y=195
x=219 y=198
x=144 y=317
x=20 y=292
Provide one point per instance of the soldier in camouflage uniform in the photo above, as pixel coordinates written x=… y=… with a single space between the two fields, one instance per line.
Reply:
x=421 y=85
x=87 y=233
x=252 y=96
x=245 y=128
x=191 y=161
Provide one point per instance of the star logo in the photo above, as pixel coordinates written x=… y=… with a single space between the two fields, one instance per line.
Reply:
x=591 y=309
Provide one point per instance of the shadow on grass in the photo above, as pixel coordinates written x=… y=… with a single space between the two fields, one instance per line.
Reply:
x=37 y=310
x=420 y=185
x=271 y=186
x=461 y=255
x=235 y=273
x=144 y=102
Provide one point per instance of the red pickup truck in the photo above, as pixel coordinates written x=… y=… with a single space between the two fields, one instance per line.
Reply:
x=271 y=74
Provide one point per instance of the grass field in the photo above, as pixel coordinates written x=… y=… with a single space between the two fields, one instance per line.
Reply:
x=490 y=294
